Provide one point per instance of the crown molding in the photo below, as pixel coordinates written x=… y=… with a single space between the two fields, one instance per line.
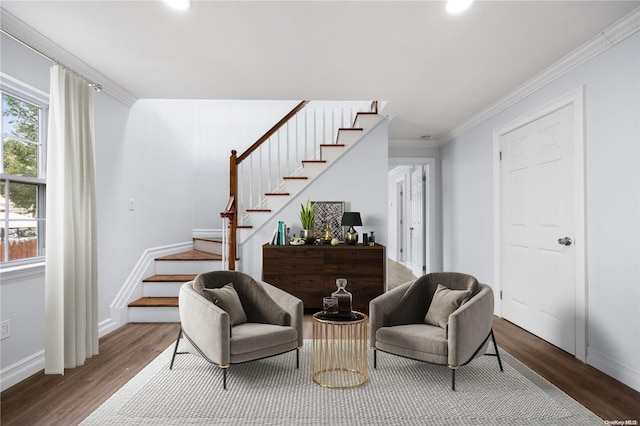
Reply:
x=414 y=143
x=32 y=39
x=609 y=37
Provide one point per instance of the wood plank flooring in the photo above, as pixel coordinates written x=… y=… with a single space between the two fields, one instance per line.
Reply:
x=67 y=400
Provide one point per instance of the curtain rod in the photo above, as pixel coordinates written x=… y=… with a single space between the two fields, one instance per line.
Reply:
x=96 y=86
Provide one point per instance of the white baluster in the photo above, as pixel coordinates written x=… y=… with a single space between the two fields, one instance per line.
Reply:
x=270 y=164
x=240 y=195
x=306 y=136
x=278 y=160
x=260 y=179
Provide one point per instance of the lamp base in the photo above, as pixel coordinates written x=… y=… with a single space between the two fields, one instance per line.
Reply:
x=351 y=237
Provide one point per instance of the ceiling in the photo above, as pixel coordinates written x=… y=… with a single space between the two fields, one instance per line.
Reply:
x=433 y=69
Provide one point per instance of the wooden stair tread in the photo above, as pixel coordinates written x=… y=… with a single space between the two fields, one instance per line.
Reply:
x=155 y=302
x=212 y=240
x=191 y=255
x=181 y=278
x=294 y=177
x=258 y=210
x=359 y=129
x=314 y=161
x=278 y=193
x=327 y=145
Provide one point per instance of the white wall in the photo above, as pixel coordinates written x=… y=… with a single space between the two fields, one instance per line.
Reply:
x=612 y=91
x=22 y=289
x=221 y=126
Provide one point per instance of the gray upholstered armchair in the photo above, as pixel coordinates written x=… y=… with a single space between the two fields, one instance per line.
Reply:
x=442 y=318
x=227 y=317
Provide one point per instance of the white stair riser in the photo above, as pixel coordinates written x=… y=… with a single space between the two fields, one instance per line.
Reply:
x=294 y=186
x=276 y=202
x=207 y=246
x=177 y=267
x=366 y=121
x=162 y=289
x=349 y=137
x=312 y=170
x=332 y=153
x=155 y=314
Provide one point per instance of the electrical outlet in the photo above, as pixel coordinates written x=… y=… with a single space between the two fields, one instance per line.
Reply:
x=5 y=331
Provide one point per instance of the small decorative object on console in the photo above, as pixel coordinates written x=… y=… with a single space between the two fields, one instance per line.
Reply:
x=344 y=298
x=372 y=239
x=330 y=306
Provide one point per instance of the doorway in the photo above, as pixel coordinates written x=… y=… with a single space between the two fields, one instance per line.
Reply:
x=539 y=214
x=413 y=236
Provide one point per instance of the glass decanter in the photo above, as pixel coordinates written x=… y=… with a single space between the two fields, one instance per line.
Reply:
x=344 y=297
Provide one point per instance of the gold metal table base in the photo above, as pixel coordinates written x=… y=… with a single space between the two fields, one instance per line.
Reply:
x=339 y=352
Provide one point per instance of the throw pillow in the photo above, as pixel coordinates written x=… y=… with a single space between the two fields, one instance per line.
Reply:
x=259 y=305
x=226 y=298
x=445 y=302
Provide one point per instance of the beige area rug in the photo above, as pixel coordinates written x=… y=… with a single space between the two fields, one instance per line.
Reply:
x=399 y=392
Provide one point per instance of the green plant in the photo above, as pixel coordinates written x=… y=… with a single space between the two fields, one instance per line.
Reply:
x=307 y=215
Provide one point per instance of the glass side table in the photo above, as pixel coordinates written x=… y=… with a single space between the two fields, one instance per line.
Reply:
x=339 y=350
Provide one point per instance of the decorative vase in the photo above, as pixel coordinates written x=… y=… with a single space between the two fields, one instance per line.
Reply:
x=345 y=299
x=309 y=235
x=372 y=239
x=327 y=237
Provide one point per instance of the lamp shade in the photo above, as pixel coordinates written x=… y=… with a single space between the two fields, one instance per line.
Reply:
x=351 y=219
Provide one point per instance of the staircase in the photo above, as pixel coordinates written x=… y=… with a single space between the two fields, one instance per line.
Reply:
x=259 y=191
x=251 y=204
x=160 y=291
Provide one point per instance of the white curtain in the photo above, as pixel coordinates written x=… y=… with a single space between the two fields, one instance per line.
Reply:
x=71 y=284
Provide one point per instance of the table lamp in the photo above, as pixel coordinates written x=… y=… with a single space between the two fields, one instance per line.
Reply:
x=351 y=219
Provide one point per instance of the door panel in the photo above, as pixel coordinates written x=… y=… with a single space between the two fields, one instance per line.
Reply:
x=416 y=228
x=537 y=185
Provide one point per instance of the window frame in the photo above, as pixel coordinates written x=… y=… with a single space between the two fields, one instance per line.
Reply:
x=40 y=99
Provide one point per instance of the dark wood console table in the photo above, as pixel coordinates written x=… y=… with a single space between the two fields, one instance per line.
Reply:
x=309 y=272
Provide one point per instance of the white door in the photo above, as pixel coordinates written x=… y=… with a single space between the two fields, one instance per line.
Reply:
x=400 y=225
x=416 y=227
x=537 y=210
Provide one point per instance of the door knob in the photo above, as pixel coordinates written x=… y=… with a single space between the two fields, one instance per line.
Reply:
x=566 y=241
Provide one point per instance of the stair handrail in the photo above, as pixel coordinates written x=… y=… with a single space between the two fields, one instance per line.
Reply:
x=230 y=212
x=233 y=216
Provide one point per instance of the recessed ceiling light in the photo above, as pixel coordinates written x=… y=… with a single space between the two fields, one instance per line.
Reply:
x=179 y=4
x=425 y=137
x=457 y=6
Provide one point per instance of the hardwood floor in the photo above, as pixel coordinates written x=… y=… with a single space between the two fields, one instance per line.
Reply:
x=67 y=400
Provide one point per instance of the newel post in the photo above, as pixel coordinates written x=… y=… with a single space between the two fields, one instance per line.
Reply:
x=233 y=217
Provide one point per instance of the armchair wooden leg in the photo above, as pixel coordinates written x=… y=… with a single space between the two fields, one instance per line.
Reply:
x=495 y=345
x=175 y=349
x=453 y=377
x=375 y=358
x=224 y=376
x=298 y=357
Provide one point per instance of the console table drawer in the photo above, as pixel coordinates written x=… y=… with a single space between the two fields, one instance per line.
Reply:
x=310 y=272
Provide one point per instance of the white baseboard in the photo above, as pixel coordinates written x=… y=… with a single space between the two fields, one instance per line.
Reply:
x=208 y=233
x=27 y=367
x=619 y=371
x=20 y=370
x=132 y=288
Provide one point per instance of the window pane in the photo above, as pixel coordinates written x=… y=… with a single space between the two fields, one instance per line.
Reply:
x=19 y=136
x=19 y=221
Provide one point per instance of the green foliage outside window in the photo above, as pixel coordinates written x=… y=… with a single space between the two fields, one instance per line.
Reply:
x=20 y=147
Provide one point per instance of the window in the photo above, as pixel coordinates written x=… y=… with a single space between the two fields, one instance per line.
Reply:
x=22 y=175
